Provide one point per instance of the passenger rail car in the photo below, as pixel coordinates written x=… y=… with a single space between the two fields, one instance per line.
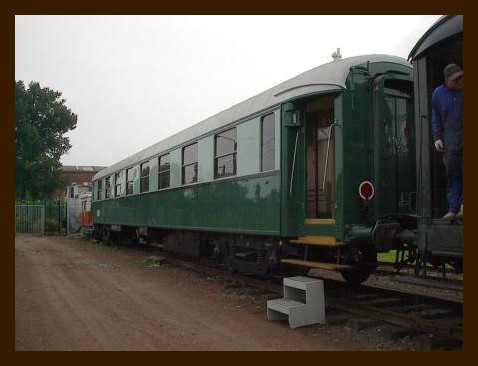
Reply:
x=438 y=242
x=316 y=172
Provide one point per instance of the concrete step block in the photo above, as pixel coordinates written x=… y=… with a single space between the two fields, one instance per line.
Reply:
x=303 y=302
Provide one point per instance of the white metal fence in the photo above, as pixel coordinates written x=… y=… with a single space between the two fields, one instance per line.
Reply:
x=30 y=219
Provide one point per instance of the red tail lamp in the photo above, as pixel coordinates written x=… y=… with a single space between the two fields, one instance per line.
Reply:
x=366 y=190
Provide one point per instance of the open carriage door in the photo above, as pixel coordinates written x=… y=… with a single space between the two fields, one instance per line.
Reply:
x=320 y=150
x=394 y=146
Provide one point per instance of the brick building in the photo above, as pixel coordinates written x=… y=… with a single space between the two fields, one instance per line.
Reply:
x=79 y=175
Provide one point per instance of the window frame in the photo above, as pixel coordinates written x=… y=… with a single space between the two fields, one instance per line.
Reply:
x=99 y=189
x=118 y=183
x=144 y=179
x=128 y=193
x=223 y=155
x=107 y=187
x=165 y=171
x=194 y=163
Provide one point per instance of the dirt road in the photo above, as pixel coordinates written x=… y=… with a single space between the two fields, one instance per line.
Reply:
x=74 y=295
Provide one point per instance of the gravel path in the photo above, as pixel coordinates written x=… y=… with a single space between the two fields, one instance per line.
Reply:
x=73 y=295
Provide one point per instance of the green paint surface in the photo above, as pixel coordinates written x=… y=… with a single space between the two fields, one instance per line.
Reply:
x=241 y=205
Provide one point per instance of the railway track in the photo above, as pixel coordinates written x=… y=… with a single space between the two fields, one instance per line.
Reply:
x=434 y=278
x=442 y=318
x=411 y=313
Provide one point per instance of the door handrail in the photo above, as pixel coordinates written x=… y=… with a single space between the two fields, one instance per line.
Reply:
x=327 y=153
x=293 y=161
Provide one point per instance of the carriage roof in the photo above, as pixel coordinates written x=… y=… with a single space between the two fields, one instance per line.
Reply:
x=327 y=77
x=444 y=28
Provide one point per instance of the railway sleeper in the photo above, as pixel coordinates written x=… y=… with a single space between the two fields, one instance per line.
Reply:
x=412 y=308
x=384 y=302
x=436 y=313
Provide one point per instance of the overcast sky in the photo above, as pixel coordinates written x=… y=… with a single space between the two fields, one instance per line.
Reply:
x=135 y=80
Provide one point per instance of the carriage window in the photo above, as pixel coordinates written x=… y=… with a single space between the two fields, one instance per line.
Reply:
x=268 y=143
x=99 y=190
x=118 y=185
x=164 y=171
x=108 y=187
x=225 y=153
x=144 y=184
x=190 y=164
x=129 y=181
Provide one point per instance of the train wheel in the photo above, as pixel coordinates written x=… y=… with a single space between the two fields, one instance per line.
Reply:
x=363 y=260
x=300 y=271
x=106 y=237
x=291 y=270
x=356 y=276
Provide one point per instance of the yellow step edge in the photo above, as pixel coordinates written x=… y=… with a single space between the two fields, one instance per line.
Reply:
x=329 y=241
x=318 y=265
x=320 y=221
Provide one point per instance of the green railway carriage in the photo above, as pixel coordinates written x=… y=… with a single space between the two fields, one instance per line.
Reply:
x=439 y=242
x=316 y=172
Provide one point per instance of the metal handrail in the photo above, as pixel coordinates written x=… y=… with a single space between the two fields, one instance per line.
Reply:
x=327 y=154
x=293 y=161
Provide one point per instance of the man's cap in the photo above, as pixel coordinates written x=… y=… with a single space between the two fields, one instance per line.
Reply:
x=452 y=71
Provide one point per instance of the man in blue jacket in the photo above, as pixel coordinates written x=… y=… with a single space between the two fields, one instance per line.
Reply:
x=447 y=127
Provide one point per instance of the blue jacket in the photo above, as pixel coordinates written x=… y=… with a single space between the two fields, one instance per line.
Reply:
x=447 y=118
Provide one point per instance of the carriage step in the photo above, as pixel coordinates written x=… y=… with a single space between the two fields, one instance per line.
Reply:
x=320 y=221
x=318 y=265
x=303 y=302
x=325 y=241
x=285 y=306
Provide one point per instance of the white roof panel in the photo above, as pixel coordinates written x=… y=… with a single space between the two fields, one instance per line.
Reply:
x=328 y=77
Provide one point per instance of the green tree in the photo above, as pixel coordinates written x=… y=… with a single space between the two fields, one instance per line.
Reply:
x=41 y=120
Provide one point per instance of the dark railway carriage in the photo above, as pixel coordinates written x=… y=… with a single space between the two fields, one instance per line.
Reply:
x=442 y=44
x=317 y=172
